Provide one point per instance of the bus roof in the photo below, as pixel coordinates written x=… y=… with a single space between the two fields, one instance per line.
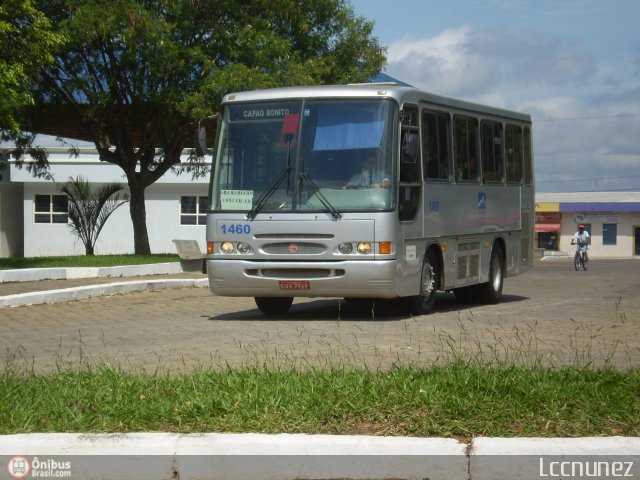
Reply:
x=400 y=94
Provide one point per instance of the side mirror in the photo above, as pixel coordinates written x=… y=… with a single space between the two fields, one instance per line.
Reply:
x=201 y=134
x=410 y=147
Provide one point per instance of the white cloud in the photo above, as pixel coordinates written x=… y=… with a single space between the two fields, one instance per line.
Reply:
x=471 y=62
x=547 y=77
x=442 y=64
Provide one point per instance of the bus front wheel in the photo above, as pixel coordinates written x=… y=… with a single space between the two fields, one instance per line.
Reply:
x=429 y=282
x=274 y=305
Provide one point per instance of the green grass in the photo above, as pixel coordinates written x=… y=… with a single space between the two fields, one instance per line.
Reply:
x=455 y=400
x=85 y=261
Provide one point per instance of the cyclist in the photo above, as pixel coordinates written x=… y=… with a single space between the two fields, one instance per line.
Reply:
x=581 y=239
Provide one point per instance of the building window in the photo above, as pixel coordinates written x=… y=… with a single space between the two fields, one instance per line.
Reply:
x=609 y=233
x=51 y=209
x=193 y=210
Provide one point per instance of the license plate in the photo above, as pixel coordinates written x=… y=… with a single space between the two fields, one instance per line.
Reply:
x=295 y=285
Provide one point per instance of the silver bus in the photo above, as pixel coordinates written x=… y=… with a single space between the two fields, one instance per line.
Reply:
x=373 y=191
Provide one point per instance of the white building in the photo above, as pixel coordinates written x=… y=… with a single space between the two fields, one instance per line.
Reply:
x=33 y=219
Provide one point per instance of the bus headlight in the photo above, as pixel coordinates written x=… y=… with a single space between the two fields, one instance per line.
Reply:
x=345 y=248
x=243 y=248
x=364 y=247
x=226 y=247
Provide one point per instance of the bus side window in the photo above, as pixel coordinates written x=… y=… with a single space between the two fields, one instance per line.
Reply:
x=435 y=145
x=410 y=165
x=513 y=153
x=466 y=148
x=410 y=146
x=491 y=139
x=528 y=157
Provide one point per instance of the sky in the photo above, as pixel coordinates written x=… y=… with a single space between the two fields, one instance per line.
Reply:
x=573 y=65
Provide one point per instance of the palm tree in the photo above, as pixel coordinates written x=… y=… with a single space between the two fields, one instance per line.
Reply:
x=89 y=210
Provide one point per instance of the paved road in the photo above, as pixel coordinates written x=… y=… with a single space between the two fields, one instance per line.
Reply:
x=551 y=314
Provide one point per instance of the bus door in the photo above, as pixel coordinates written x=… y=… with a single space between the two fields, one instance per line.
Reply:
x=409 y=200
x=410 y=174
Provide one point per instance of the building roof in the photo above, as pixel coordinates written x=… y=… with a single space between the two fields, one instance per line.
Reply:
x=63 y=165
x=589 y=197
x=591 y=201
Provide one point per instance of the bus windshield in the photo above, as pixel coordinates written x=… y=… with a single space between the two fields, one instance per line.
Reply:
x=316 y=155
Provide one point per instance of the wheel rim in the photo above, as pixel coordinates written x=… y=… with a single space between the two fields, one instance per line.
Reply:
x=427 y=280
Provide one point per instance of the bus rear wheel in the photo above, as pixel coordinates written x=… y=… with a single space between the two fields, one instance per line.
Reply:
x=429 y=283
x=491 y=292
x=274 y=305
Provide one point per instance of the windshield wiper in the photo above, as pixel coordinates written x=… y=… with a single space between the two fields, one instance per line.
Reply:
x=267 y=193
x=306 y=179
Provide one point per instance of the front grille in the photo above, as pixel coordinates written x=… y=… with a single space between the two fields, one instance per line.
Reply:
x=292 y=248
x=295 y=273
x=294 y=236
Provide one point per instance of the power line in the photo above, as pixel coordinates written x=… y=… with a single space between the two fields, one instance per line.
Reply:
x=590 y=179
x=596 y=117
x=598 y=191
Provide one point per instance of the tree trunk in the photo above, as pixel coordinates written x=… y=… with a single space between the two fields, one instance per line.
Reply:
x=138 y=219
x=88 y=250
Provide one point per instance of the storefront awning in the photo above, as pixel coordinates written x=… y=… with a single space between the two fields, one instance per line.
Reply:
x=547 y=227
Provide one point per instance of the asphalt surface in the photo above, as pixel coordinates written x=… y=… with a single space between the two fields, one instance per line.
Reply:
x=551 y=315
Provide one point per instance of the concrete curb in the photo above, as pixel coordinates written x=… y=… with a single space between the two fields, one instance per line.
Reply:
x=300 y=456
x=34 y=274
x=88 y=291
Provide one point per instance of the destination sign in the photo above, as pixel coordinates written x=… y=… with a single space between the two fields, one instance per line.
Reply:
x=263 y=111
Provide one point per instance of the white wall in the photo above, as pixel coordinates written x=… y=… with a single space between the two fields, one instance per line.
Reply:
x=163 y=216
x=162 y=205
x=624 y=241
x=10 y=219
x=163 y=224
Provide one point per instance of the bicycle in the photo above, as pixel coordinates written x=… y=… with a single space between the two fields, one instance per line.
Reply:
x=580 y=259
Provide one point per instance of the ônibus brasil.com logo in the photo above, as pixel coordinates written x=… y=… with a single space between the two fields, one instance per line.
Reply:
x=21 y=467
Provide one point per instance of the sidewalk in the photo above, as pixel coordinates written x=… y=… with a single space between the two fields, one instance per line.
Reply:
x=17 y=288
x=145 y=455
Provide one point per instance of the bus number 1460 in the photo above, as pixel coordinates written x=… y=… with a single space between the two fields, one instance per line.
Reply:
x=237 y=228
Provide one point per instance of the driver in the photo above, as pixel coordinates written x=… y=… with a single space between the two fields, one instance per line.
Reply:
x=368 y=177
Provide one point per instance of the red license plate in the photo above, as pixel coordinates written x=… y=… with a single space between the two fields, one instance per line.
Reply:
x=295 y=285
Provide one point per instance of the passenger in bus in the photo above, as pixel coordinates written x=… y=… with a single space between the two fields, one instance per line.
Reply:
x=468 y=171
x=368 y=177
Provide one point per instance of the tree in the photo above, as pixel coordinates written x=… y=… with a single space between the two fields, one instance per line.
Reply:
x=27 y=42
x=140 y=73
x=89 y=210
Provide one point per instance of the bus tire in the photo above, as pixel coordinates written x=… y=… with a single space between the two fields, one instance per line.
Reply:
x=274 y=305
x=491 y=292
x=429 y=283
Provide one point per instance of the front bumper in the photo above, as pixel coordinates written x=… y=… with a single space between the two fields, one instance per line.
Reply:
x=356 y=279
